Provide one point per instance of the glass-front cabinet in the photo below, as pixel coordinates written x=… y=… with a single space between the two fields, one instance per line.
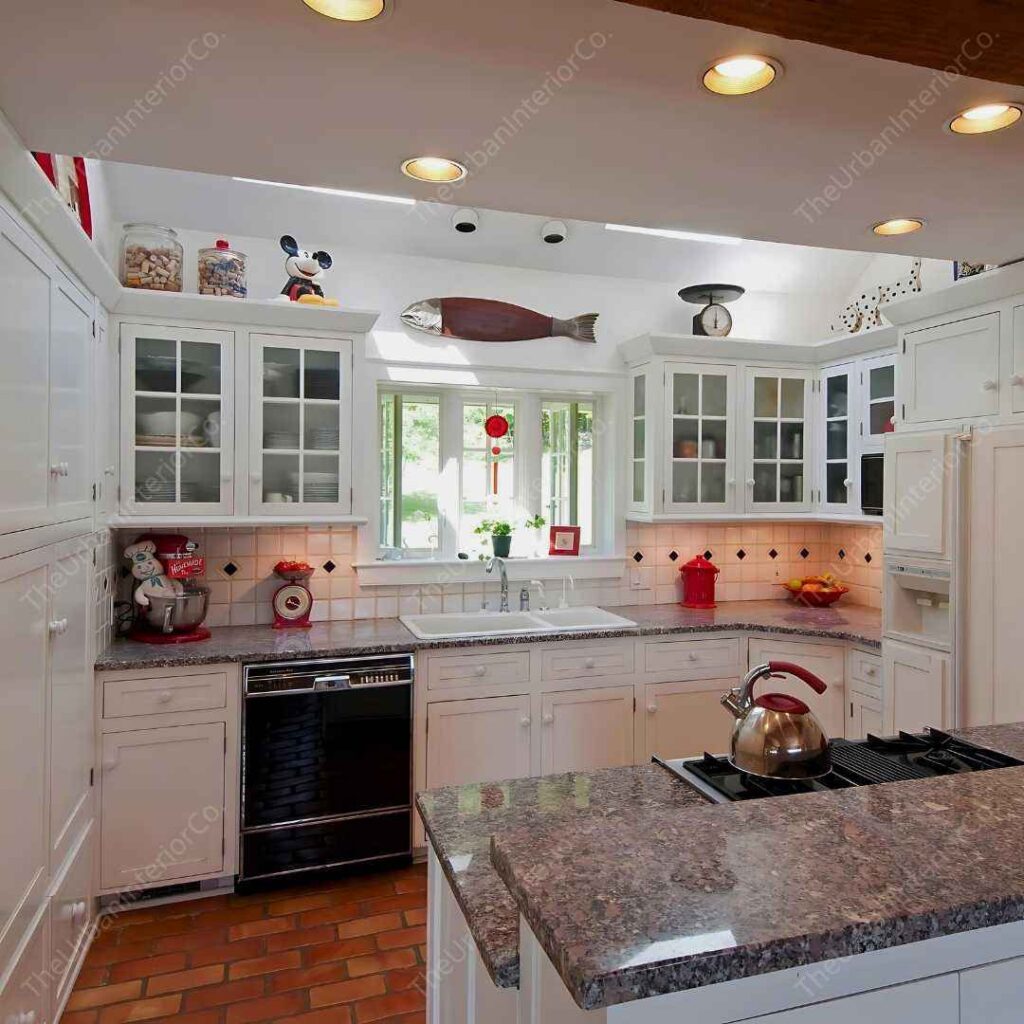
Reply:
x=878 y=403
x=177 y=388
x=838 y=423
x=300 y=460
x=778 y=442
x=700 y=471
x=639 y=461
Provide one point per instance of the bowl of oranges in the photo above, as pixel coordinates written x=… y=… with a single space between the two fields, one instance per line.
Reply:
x=816 y=591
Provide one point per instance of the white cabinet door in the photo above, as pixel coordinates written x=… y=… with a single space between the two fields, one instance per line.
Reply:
x=951 y=372
x=181 y=834
x=992 y=690
x=71 y=700
x=700 y=472
x=681 y=721
x=300 y=426
x=176 y=420
x=71 y=915
x=478 y=740
x=917 y=494
x=640 y=462
x=1016 y=381
x=23 y=641
x=24 y=409
x=838 y=405
x=778 y=423
x=877 y=400
x=992 y=994
x=828 y=663
x=23 y=1000
x=916 y=688
x=70 y=426
x=864 y=715
x=586 y=729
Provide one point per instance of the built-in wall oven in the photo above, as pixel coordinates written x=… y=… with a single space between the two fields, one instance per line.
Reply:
x=326 y=765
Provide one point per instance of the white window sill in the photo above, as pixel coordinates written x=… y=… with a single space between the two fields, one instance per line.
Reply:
x=410 y=572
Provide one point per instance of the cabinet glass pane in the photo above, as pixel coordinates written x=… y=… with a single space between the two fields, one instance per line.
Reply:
x=281 y=372
x=322 y=375
x=320 y=478
x=765 y=474
x=837 y=396
x=155 y=420
x=281 y=425
x=835 y=483
x=200 y=477
x=638 y=481
x=200 y=368
x=791 y=440
x=685 y=394
x=882 y=382
x=639 y=431
x=835 y=439
x=714 y=395
x=156 y=477
x=766 y=397
x=792 y=399
x=156 y=365
x=684 y=482
x=712 y=481
x=713 y=438
x=200 y=423
x=639 y=396
x=766 y=439
x=882 y=414
x=322 y=427
x=280 y=478
x=791 y=482
x=684 y=439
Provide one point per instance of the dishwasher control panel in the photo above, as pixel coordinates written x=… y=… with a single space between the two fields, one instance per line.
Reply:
x=324 y=676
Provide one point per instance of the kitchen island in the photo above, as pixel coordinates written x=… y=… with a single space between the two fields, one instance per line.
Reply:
x=637 y=902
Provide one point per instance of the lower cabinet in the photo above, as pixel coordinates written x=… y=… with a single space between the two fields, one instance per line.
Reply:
x=864 y=715
x=681 y=721
x=993 y=994
x=72 y=909
x=25 y=998
x=586 y=729
x=917 y=687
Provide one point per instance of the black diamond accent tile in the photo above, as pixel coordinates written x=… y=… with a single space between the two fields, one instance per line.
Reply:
x=638 y=557
x=842 y=553
x=804 y=553
x=741 y=554
x=773 y=553
x=709 y=555
x=867 y=557
x=230 y=569
x=673 y=555
x=329 y=566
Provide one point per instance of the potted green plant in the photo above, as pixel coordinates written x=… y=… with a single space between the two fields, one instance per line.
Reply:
x=501 y=535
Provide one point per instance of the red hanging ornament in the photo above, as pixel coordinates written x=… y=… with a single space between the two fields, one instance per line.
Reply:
x=495 y=426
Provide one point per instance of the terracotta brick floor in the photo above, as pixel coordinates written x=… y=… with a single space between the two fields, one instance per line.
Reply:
x=346 y=951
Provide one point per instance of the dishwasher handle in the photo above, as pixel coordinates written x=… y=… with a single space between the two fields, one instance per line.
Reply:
x=332 y=682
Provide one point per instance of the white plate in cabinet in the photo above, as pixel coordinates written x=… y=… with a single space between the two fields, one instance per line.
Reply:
x=127 y=698
x=23 y=1000
x=591 y=660
x=485 y=667
x=586 y=729
x=478 y=740
x=865 y=671
x=71 y=914
x=692 y=659
x=680 y=721
x=185 y=765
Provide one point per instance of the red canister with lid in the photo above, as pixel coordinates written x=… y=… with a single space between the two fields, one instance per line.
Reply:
x=699 y=577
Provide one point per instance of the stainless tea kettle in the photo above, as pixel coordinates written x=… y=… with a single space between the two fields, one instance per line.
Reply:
x=776 y=736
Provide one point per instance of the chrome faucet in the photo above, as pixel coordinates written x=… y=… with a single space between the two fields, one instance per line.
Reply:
x=500 y=563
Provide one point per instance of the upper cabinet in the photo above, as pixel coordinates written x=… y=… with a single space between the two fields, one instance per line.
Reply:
x=877 y=380
x=838 y=392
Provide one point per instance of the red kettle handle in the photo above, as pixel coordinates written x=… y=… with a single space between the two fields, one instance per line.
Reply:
x=788 y=668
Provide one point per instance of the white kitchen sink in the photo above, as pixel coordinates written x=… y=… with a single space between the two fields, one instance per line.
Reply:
x=456 y=625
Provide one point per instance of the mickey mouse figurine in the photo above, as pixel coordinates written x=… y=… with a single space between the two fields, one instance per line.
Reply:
x=305 y=269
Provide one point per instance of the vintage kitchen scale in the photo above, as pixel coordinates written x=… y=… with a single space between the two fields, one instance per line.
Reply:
x=714 y=320
x=293 y=601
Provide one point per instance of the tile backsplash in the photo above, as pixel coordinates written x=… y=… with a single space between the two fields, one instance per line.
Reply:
x=753 y=558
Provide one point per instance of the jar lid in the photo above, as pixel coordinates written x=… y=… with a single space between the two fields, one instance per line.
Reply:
x=150 y=227
x=222 y=244
x=699 y=562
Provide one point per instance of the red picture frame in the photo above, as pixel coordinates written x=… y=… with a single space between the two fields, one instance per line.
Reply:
x=76 y=194
x=564 y=540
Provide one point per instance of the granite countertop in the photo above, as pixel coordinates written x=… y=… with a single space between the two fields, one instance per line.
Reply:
x=386 y=636
x=639 y=899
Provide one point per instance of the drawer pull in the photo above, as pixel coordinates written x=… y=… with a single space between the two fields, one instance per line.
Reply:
x=589 y=663
x=480 y=670
x=164 y=697
x=692 y=656
x=110 y=764
x=58 y=627
x=652 y=709
x=525 y=721
x=548 y=718
x=871 y=671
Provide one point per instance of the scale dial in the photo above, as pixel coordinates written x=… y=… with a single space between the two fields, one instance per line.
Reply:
x=716 y=320
x=292 y=602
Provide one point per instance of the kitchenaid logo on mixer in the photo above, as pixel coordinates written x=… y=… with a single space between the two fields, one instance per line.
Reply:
x=185 y=567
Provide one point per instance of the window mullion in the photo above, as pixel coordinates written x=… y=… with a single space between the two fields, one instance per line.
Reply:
x=449 y=498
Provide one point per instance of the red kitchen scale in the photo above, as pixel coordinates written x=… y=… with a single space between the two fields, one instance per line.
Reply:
x=292 y=602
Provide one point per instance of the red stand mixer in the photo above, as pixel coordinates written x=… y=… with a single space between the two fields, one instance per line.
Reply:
x=170 y=604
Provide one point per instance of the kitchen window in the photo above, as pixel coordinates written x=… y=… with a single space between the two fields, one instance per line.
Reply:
x=441 y=477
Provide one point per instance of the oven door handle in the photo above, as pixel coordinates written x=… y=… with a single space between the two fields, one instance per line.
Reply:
x=332 y=682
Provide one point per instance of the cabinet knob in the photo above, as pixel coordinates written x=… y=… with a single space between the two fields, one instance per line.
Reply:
x=165 y=697
x=65 y=469
x=109 y=471
x=652 y=709
x=28 y=1017
x=55 y=469
x=548 y=718
x=871 y=671
x=1017 y=380
x=750 y=481
x=847 y=483
x=58 y=627
x=525 y=721
x=692 y=656
x=589 y=663
x=109 y=764
x=480 y=670
x=989 y=385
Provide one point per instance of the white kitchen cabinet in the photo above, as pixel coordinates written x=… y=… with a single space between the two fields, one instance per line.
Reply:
x=993 y=994
x=837 y=448
x=72 y=911
x=918 y=491
x=300 y=412
x=586 y=729
x=951 y=371
x=1016 y=379
x=181 y=835
x=680 y=720
x=640 y=442
x=700 y=432
x=479 y=740
x=825 y=662
x=23 y=1000
x=917 y=691
x=177 y=416
x=877 y=379
x=778 y=464
x=865 y=715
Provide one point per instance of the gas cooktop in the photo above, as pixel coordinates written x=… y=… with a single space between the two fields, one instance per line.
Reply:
x=854 y=763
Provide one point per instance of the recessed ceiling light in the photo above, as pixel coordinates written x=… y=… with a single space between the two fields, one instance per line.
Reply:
x=347 y=10
x=686 y=236
x=737 y=76
x=898 y=226
x=373 y=196
x=989 y=117
x=434 y=168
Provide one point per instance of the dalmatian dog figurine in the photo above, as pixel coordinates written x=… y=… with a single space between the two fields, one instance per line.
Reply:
x=147 y=569
x=305 y=271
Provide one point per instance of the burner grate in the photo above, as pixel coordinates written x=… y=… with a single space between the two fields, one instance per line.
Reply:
x=868 y=767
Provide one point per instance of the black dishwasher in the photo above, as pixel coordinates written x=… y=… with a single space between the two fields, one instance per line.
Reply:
x=326 y=765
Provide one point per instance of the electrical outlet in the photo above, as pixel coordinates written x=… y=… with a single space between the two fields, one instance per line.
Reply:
x=636 y=580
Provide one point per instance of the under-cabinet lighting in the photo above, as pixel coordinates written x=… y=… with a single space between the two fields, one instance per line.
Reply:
x=685 y=236
x=373 y=196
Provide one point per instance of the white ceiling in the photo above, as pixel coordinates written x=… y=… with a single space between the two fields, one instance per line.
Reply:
x=288 y=95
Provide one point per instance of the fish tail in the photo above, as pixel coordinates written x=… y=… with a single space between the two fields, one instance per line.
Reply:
x=579 y=327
